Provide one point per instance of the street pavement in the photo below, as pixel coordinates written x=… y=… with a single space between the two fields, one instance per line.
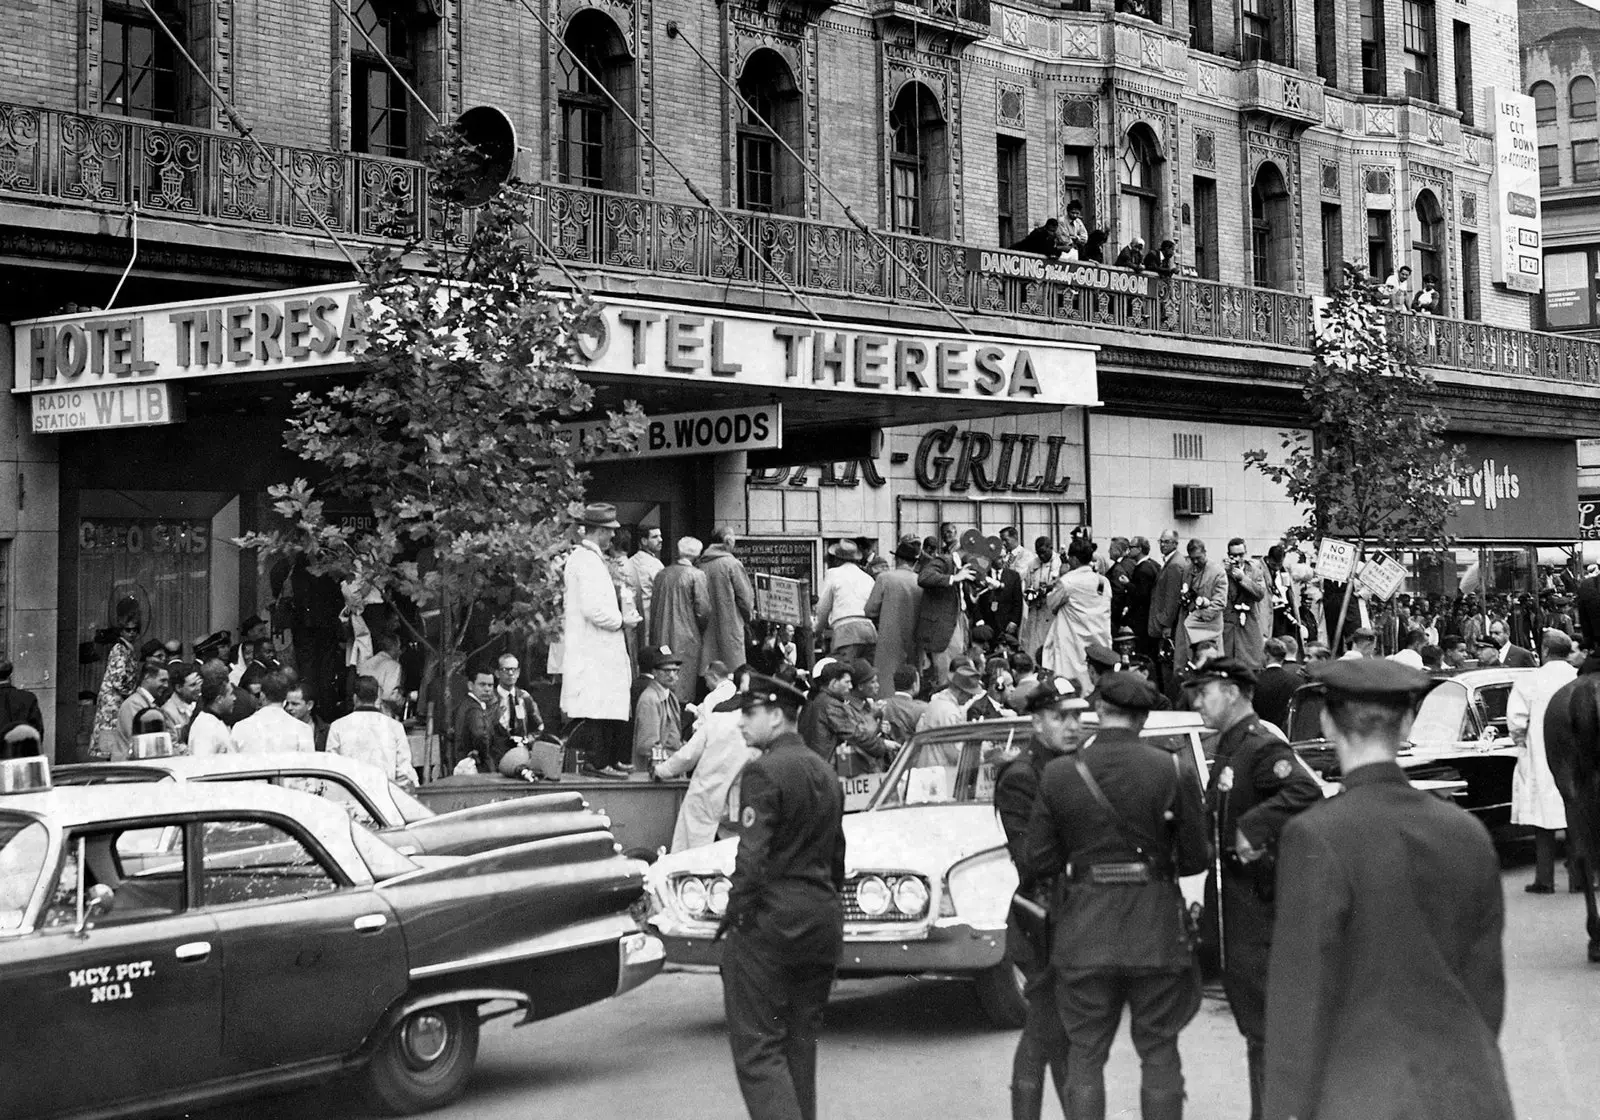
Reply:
x=906 y=1048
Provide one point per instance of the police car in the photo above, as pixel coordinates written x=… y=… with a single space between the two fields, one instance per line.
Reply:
x=928 y=881
x=367 y=794
x=275 y=944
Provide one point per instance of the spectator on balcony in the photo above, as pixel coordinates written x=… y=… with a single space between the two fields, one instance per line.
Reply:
x=1429 y=301
x=1132 y=255
x=1397 y=288
x=1094 y=249
x=1163 y=260
x=1077 y=232
x=1048 y=240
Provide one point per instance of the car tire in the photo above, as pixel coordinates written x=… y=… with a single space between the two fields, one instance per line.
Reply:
x=1001 y=996
x=424 y=1061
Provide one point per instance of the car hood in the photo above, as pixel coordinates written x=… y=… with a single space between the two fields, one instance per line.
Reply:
x=484 y=828
x=929 y=839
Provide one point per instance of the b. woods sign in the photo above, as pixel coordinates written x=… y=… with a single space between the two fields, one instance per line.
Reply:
x=1076 y=274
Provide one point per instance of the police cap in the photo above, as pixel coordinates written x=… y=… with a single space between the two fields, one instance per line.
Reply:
x=764 y=690
x=1101 y=657
x=1128 y=691
x=1222 y=669
x=1053 y=694
x=652 y=658
x=1376 y=679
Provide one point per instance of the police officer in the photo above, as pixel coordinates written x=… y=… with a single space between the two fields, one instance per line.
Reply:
x=1256 y=785
x=1386 y=989
x=1122 y=815
x=1054 y=706
x=785 y=921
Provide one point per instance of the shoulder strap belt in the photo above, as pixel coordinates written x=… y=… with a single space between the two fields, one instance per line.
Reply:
x=1100 y=799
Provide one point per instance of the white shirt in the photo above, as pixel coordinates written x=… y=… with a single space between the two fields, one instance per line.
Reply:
x=1408 y=657
x=646 y=566
x=374 y=738
x=386 y=671
x=209 y=735
x=272 y=729
x=177 y=714
x=844 y=595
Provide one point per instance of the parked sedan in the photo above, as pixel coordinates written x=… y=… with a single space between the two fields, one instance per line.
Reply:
x=1459 y=735
x=367 y=794
x=928 y=882
x=278 y=943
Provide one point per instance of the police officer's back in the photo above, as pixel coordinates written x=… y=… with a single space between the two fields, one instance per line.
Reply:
x=1121 y=934
x=785 y=921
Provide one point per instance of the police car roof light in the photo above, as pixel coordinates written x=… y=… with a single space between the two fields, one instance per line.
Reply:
x=24 y=775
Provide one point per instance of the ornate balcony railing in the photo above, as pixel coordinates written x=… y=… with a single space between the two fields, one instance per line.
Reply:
x=107 y=163
x=113 y=163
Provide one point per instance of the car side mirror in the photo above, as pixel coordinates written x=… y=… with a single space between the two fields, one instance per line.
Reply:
x=97 y=902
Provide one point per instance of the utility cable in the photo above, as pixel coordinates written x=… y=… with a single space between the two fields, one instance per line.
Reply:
x=434 y=117
x=675 y=32
x=246 y=132
x=699 y=195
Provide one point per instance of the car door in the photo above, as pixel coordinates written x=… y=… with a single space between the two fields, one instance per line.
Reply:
x=130 y=1008
x=311 y=959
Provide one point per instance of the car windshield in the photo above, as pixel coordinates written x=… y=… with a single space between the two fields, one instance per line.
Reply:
x=411 y=810
x=22 y=849
x=1441 y=717
x=945 y=770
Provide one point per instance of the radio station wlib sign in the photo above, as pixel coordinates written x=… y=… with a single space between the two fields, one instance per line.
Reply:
x=116 y=406
x=1075 y=274
x=1519 y=247
x=692 y=433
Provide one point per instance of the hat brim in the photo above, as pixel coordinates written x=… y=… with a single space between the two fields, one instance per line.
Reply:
x=734 y=703
x=967 y=677
x=612 y=524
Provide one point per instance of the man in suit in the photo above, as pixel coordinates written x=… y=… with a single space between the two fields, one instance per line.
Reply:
x=21 y=723
x=1276 y=684
x=998 y=603
x=1386 y=988
x=1165 y=603
x=940 y=574
x=1141 y=594
x=470 y=736
x=514 y=724
x=1511 y=656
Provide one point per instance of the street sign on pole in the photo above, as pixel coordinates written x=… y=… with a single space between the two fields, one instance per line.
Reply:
x=1336 y=560
x=1382 y=575
x=779 y=599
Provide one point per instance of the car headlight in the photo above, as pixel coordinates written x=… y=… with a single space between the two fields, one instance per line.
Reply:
x=872 y=896
x=981 y=888
x=692 y=896
x=911 y=897
x=717 y=896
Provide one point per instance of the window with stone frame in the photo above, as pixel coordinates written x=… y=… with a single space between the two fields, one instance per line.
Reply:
x=596 y=145
x=919 y=164
x=1580 y=98
x=1140 y=187
x=1419 y=42
x=769 y=178
x=1549 y=165
x=1544 y=102
x=1011 y=189
x=140 y=71
x=1261 y=31
x=382 y=121
x=1374 y=75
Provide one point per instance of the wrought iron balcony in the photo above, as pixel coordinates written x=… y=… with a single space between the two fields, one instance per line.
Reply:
x=113 y=163
x=76 y=161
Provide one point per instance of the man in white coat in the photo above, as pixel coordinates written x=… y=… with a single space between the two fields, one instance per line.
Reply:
x=1535 y=800
x=717 y=754
x=595 y=672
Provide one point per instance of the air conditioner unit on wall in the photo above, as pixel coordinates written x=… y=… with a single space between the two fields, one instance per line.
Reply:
x=1191 y=501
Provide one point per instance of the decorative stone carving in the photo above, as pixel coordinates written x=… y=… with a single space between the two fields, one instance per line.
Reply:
x=1293 y=94
x=1150 y=51
x=1283 y=152
x=1333 y=113
x=1207 y=79
x=1079 y=42
x=1330 y=178
x=1380 y=120
x=1205 y=149
x=1078 y=111
x=1469 y=209
x=1010 y=104
x=1013 y=27
x=795 y=41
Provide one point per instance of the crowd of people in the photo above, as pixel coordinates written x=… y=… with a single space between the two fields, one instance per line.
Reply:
x=1075 y=241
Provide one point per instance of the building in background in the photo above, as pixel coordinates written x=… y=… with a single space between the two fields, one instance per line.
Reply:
x=1560 y=66
x=1269 y=140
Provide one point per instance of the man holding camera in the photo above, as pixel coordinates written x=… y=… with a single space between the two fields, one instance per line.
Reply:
x=1248 y=620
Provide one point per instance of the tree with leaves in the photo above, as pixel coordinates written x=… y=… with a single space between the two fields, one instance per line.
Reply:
x=452 y=435
x=1372 y=465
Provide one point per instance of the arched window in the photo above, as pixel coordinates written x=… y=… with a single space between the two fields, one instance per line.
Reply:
x=770 y=179
x=139 y=70
x=597 y=145
x=919 y=166
x=1544 y=102
x=1430 y=242
x=1271 y=230
x=380 y=107
x=1580 y=98
x=1140 y=187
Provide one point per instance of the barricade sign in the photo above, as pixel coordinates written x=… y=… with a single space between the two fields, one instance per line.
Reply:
x=778 y=599
x=1382 y=575
x=1336 y=560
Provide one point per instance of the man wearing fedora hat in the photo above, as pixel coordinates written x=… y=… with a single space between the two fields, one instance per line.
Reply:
x=595 y=668
x=842 y=603
x=893 y=605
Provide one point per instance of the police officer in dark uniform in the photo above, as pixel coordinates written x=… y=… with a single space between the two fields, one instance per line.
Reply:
x=1054 y=705
x=1121 y=817
x=1256 y=785
x=785 y=920
x=1386 y=989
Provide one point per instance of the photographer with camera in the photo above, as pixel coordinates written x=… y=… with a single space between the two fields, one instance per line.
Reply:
x=1248 y=620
